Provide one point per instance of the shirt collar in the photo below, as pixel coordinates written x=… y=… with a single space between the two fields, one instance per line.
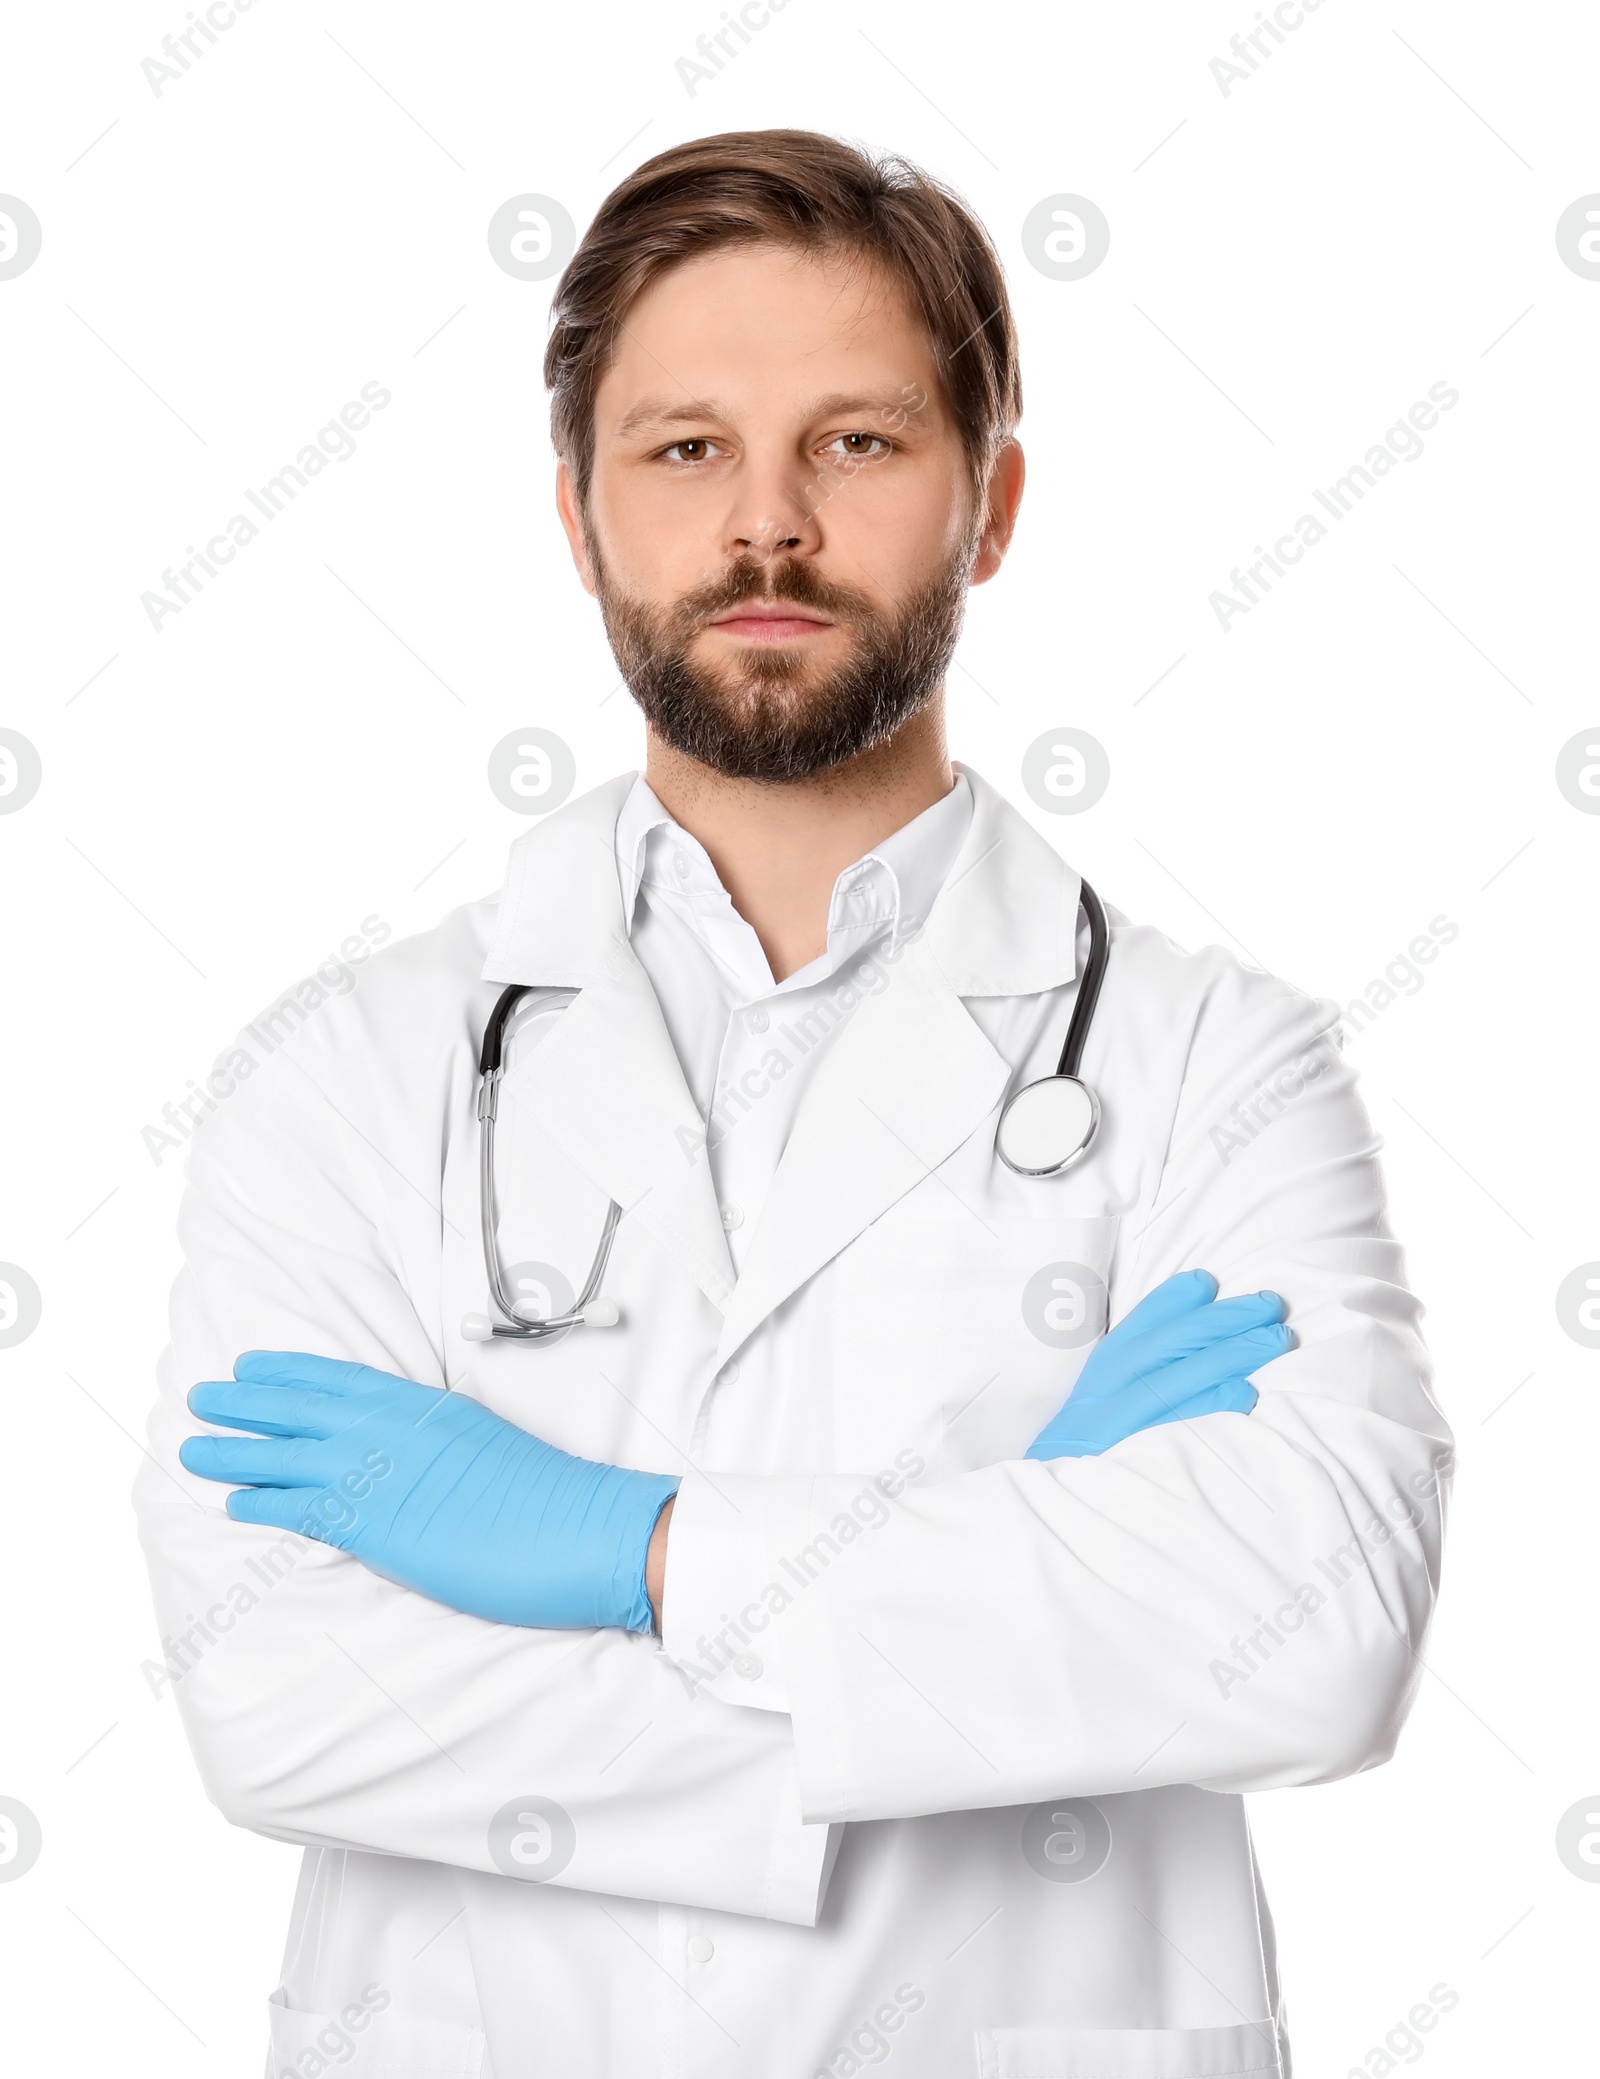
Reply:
x=902 y=876
x=1005 y=922
x=891 y=888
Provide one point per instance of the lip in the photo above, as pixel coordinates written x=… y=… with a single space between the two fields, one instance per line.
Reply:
x=770 y=620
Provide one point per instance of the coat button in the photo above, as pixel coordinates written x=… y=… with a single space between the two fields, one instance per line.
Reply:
x=758 y=1021
x=701 y=1948
x=732 y=1217
x=730 y=1372
x=747 y=1666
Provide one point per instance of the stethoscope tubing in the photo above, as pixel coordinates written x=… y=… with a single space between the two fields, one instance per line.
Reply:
x=490 y=1070
x=1094 y=973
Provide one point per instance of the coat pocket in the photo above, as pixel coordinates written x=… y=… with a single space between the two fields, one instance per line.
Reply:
x=369 y=2039
x=957 y=1335
x=1248 y=2051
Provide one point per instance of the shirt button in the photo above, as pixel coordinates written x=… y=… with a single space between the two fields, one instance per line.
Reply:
x=732 y=1217
x=701 y=1948
x=680 y=865
x=758 y=1021
x=747 y=1666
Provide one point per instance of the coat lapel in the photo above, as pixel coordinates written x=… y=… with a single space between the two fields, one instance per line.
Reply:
x=902 y=1086
x=911 y=1076
x=605 y=1085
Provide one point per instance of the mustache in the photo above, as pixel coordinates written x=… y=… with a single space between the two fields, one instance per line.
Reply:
x=797 y=584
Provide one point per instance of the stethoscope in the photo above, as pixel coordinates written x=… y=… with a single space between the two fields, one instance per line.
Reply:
x=1045 y=1128
x=588 y=1310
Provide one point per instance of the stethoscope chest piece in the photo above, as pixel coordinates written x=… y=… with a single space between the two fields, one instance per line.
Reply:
x=1047 y=1126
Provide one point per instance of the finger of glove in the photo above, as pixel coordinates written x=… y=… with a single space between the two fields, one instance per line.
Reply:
x=303 y=1368
x=1171 y=1300
x=1230 y=1397
x=1207 y=1325
x=1155 y=1395
x=1223 y=1321
x=1234 y=1358
x=1089 y=1424
x=1080 y=1436
x=284 y=1508
x=272 y=1411
x=259 y=1461
x=1142 y=1405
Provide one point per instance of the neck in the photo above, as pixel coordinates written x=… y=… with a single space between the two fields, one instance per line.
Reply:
x=778 y=848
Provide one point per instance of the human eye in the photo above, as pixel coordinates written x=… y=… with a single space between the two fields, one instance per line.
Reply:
x=861 y=447
x=685 y=454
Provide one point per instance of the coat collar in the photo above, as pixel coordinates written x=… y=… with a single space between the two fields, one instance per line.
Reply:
x=561 y=918
x=1006 y=921
x=903 y=1086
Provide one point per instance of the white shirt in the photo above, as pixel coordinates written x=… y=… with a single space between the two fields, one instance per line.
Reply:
x=749 y=1045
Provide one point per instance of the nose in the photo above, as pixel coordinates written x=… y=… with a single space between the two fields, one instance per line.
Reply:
x=769 y=513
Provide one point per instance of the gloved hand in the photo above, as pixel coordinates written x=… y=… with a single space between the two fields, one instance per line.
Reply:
x=430 y=1489
x=1182 y=1352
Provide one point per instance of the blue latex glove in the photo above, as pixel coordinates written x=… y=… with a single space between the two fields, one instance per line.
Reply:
x=430 y=1489
x=1182 y=1352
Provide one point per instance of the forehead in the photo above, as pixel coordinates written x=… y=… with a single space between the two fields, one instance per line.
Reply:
x=764 y=324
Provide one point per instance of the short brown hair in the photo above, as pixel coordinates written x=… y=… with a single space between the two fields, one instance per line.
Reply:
x=795 y=188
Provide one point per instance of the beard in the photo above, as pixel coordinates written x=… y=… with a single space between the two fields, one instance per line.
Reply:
x=767 y=715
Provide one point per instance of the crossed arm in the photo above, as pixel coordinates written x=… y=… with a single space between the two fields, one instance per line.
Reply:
x=435 y=1492
x=341 y=1709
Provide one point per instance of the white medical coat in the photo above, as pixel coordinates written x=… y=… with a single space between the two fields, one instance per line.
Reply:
x=938 y=1764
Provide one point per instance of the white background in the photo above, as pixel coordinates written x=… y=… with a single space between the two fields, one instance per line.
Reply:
x=1292 y=264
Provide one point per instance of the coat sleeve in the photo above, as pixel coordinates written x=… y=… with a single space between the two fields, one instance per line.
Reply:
x=1235 y=1602
x=333 y=1708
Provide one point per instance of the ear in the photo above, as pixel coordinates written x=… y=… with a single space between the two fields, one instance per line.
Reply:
x=568 y=512
x=1004 y=500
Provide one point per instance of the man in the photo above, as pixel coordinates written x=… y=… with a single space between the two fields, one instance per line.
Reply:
x=855 y=1653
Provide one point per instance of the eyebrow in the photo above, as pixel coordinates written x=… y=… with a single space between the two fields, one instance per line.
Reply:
x=663 y=412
